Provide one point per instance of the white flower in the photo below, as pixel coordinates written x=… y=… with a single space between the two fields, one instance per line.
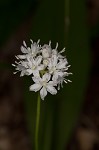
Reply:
x=47 y=66
x=46 y=50
x=21 y=66
x=44 y=85
x=29 y=51
x=56 y=67
x=62 y=79
x=45 y=62
x=34 y=65
x=58 y=54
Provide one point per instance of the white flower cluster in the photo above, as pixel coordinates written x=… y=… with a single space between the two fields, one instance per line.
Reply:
x=46 y=65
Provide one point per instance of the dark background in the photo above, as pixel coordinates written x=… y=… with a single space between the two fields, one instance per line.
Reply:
x=71 y=119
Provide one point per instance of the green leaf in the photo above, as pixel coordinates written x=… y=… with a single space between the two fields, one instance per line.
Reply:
x=78 y=56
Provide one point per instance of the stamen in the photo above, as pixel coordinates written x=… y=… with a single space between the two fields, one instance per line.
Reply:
x=56 y=46
x=68 y=66
x=69 y=80
x=38 y=41
x=49 y=43
x=16 y=57
x=63 y=50
x=14 y=65
x=31 y=41
x=24 y=44
x=65 y=81
x=15 y=72
x=17 y=62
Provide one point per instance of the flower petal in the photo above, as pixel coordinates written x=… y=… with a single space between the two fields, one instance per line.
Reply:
x=53 y=83
x=57 y=74
x=43 y=93
x=38 y=60
x=29 y=71
x=35 y=87
x=22 y=73
x=36 y=73
x=21 y=56
x=41 y=67
x=36 y=79
x=23 y=49
x=34 y=48
x=62 y=64
x=46 y=77
x=54 y=60
x=24 y=43
x=51 y=89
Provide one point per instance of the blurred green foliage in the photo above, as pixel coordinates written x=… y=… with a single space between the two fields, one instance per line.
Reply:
x=64 y=22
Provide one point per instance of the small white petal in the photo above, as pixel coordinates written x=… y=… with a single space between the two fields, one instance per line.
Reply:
x=22 y=74
x=68 y=80
x=22 y=56
x=24 y=64
x=41 y=67
x=35 y=87
x=51 y=89
x=46 y=77
x=56 y=46
x=14 y=72
x=13 y=65
x=54 y=60
x=63 y=50
x=31 y=40
x=54 y=52
x=53 y=83
x=36 y=73
x=38 y=41
x=29 y=71
x=58 y=87
x=45 y=53
x=16 y=57
x=38 y=60
x=45 y=62
x=61 y=65
x=29 y=50
x=55 y=76
x=49 y=43
x=36 y=79
x=23 y=49
x=31 y=65
x=24 y=43
x=43 y=93
x=33 y=48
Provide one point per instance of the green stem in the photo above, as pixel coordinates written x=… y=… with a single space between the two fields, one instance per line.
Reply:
x=37 y=122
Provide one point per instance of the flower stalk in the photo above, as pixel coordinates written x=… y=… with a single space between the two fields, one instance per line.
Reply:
x=37 y=122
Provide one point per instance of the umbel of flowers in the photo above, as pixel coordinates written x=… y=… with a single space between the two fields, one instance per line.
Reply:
x=47 y=67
